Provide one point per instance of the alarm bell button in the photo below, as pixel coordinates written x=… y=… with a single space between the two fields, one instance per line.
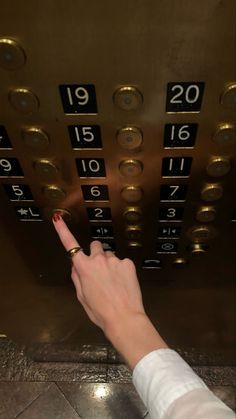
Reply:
x=179 y=263
x=23 y=101
x=198 y=249
x=228 y=97
x=129 y=138
x=12 y=56
x=128 y=98
x=132 y=193
x=218 y=166
x=35 y=138
x=131 y=167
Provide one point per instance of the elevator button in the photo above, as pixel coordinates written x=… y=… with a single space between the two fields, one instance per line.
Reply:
x=35 y=138
x=129 y=138
x=12 y=56
x=64 y=213
x=179 y=262
x=108 y=245
x=134 y=244
x=206 y=214
x=167 y=247
x=28 y=213
x=24 y=101
x=54 y=193
x=168 y=232
x=5 y=143
x=201 y=233
x=45 y=168
x=228 y=97
x=133 y=232
x=211 y=192
x=218 y=166
x=99 y=214
x=132 y=214
x=132 y=193
x=128 y=98
x=131 y=167
x=18 y=192
x=198 y=249
x=225 y=135
x=152 y=264
x=102 y=231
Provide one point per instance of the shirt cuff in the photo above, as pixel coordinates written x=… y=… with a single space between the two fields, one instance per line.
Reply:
x=161 y=377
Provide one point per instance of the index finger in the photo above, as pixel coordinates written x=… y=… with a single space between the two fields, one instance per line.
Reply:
x=66 y=237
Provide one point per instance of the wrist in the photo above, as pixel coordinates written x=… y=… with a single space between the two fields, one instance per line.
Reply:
x=134 y=336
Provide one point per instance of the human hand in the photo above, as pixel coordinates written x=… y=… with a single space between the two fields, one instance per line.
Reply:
x=106 y=286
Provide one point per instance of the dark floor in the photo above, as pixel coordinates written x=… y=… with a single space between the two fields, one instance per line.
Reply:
x=67 y=390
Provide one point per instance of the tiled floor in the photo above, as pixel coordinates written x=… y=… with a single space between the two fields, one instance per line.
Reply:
x=70 y=390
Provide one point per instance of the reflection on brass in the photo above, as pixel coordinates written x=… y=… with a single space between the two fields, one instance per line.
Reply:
x=54 y=193
x=179 y=262
x=206 y=214
x=211 y=192
x=134 y=244
x=228 y=97
x=130 y=138
x=133 y=232
x=132 y=193
x=201 y=233
x=132 y=214
x=198 y=249
x=131 y=167
x=218 y=166
x=45 y=168
x=23 y=101
x=128 y=98
x=12 y=56
x=225 y=134
x=64 y=213
x=35 y=138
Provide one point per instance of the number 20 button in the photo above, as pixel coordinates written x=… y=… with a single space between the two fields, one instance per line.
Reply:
x=184 y=96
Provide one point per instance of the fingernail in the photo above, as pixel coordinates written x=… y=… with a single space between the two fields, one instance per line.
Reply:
x=56 y=217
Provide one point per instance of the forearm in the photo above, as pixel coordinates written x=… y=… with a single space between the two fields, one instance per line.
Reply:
x=134 y=337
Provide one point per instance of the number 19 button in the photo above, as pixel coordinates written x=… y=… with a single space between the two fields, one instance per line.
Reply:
x=78 y=98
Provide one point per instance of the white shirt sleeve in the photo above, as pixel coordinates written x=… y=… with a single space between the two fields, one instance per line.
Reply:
x=170 y=389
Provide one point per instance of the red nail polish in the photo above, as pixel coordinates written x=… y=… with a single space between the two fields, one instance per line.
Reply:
x=56 y=217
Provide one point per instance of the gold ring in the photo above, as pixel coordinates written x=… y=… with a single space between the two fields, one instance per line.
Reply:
x=72 y=252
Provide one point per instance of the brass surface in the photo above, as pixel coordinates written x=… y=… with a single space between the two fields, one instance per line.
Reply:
x=145 y=46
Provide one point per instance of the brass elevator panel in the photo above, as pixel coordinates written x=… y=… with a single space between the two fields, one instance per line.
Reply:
x=122 y=117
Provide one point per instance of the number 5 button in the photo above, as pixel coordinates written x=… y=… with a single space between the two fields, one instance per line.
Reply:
x=18 y=192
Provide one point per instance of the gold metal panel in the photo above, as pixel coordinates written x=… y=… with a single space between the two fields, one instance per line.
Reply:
x=144 y=45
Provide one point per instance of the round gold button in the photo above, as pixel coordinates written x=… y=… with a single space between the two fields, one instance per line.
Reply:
x=198 y=249
x=133 y=232
x=54 y=193
x=179 y=263
x=228 y=97
x=128 y=98
x=35 y=138
x=132 y=214
x=12 y=56
x=64 y=213
x=130 y=138
x=218 y=166
x=134 y=244
x=201 y=233
x=225 y=135
x=206 y=214
x=23 y=101
x=132 y=193
x=211 y=192
x=131 y=167
x=45 y=168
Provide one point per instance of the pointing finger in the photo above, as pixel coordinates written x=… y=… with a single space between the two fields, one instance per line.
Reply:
x=66 y=237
